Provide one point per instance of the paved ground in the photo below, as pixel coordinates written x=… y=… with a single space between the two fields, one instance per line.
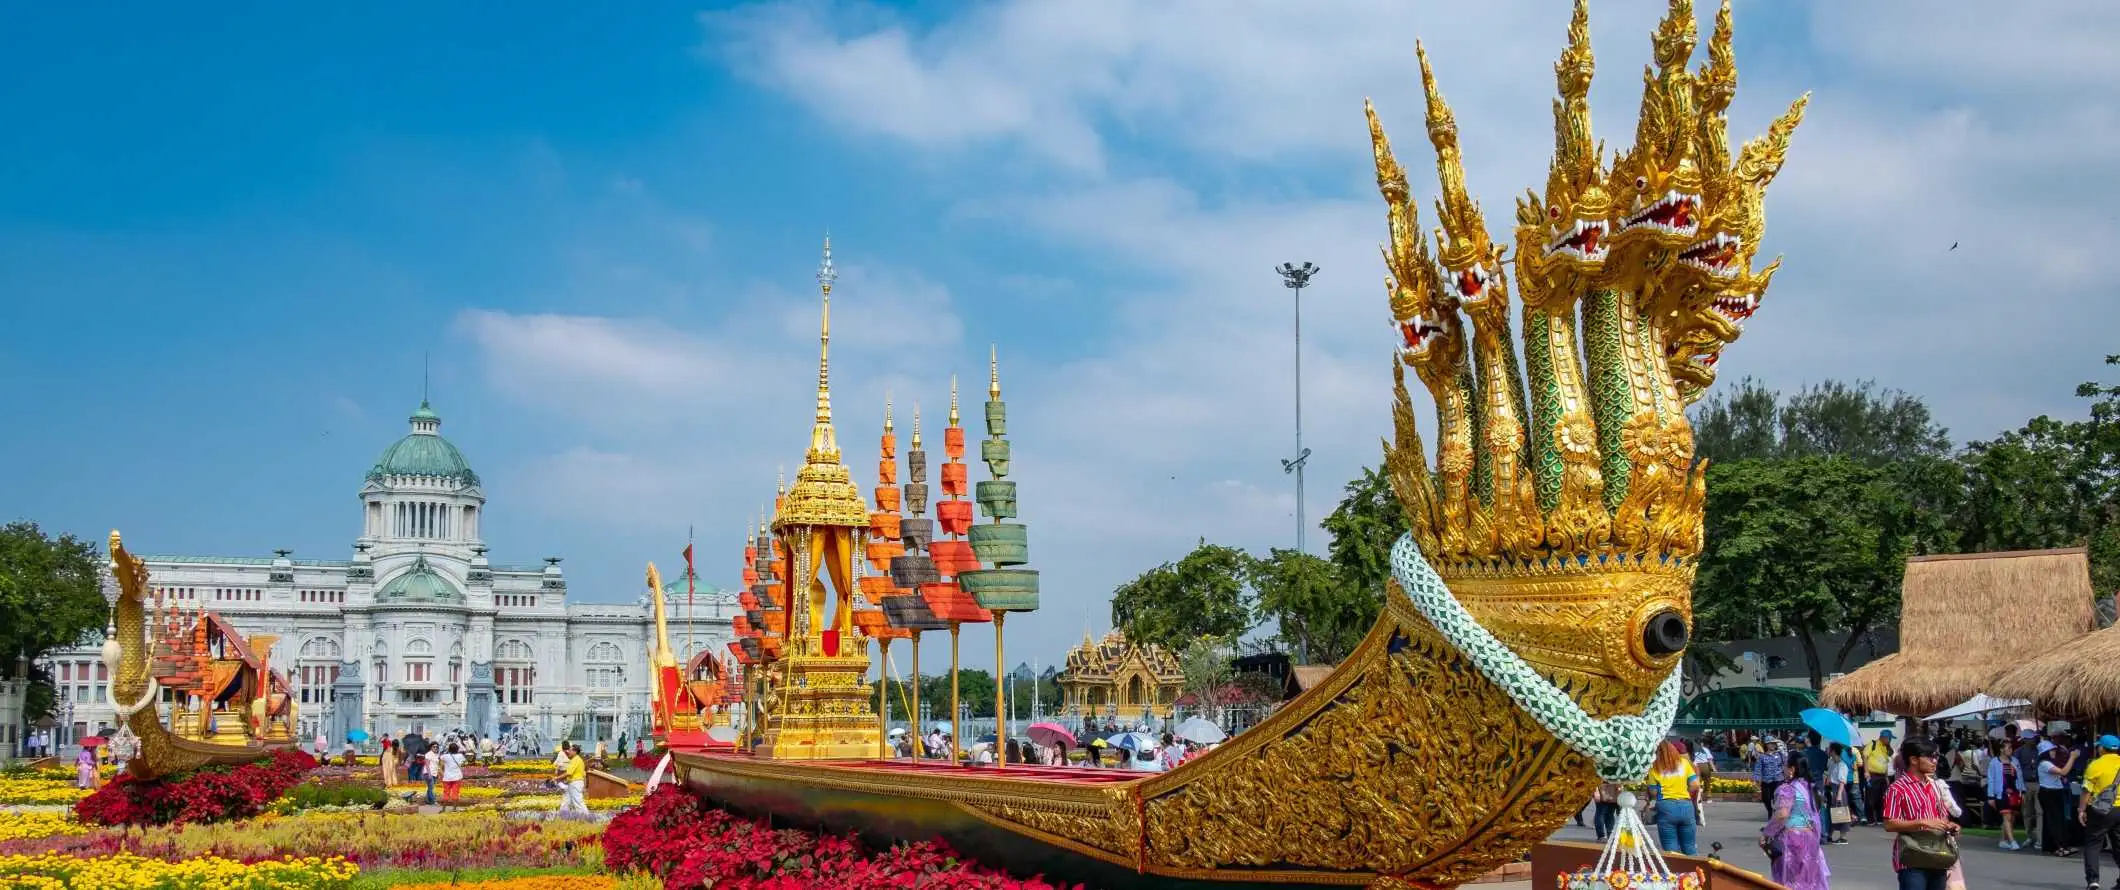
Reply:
x=1866 y=862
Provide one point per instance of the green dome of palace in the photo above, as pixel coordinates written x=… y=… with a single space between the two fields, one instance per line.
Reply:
x=423 y=452
x=419 y=584
x=674 y=589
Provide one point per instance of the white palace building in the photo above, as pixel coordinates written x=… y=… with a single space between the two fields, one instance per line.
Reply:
x=418 y=629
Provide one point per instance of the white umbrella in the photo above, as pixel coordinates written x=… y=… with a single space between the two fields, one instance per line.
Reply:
x=1978 y=705
x=1201 y=730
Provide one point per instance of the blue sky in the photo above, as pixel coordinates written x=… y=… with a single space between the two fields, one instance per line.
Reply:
x=228 y=239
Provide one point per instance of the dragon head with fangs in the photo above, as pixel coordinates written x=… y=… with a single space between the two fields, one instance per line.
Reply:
x=1657 y=183
x=1567 y=231
x=1470 y=262
x=1709 y=320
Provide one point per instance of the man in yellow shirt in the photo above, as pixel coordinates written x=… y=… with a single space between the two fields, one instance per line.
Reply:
x=1877 y=774
x=2095 y=808
x=574 y=777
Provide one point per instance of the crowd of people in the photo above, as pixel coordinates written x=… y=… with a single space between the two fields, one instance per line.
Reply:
x=1162 y=754
x=2057 y=785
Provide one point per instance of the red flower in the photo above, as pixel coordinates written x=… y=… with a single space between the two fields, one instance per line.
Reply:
x=680 y=838
x=209 y=794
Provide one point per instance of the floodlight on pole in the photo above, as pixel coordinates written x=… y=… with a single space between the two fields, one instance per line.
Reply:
x=1296 y=278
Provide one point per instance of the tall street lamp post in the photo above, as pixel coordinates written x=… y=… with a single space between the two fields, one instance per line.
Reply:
x=1296 y=278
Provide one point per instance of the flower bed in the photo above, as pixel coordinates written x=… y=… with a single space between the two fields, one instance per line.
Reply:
x=548 y=882
x=23 y=826
x=468 y=792
x=34 y=788
x=534 y=802
x=373 y=840
x=211 y=794
x=678 y=837
x=1716 y=786
x=57 y=872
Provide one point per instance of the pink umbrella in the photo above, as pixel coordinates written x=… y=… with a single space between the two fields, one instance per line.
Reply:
x=1050 y=734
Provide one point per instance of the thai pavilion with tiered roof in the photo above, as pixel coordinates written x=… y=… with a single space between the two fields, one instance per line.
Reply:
x=1114 y=679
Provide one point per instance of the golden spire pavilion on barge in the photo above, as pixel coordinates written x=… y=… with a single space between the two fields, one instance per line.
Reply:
x=820 y=709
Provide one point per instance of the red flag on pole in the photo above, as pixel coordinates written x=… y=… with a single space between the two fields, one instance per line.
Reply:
x=689 y=575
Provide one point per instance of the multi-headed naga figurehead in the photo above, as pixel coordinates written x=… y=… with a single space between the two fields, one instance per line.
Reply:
x=1657 y=183
x=1610 y=539
x=1566 y=233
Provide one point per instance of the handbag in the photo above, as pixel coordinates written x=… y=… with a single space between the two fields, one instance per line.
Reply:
x=1930 y=850
x=1842 y=814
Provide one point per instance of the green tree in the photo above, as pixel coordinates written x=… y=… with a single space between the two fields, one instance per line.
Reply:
x=1364 y=527
x=1803 y=546
x=1742 y=422
x=1206 y=666
x=1319 y=612
x=2037 y=487
x=1859 y=421
x=975 y=689
x=51 y=597
x=1203 y=594
x=1850 y=420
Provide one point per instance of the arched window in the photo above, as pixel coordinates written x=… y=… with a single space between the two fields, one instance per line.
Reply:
x=606 y=670
x=1135 y=694
x=514 y=672
x=317 y=669
x=419 y=660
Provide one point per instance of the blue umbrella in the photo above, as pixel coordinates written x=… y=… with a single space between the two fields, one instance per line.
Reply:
x=357 y=736
x=1133 y=741
x=1830 y=725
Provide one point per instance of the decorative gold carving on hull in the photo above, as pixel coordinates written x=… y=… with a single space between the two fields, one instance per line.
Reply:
x=1404 y=765
x=1391 y=774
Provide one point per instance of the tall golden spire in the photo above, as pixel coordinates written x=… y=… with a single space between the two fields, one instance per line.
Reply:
x=824 y=492
x=887 y=411
x=953 y=400
x=823 y=440
x=916 y=424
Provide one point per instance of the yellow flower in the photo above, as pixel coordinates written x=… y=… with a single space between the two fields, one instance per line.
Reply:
x=16 y=826
x=125 y=871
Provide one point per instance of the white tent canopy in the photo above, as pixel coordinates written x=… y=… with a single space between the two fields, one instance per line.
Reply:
x=1977 y=706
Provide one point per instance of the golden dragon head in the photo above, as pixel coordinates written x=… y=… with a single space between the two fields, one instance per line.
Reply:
x=1566 y=232
x=1424 y=312
x=1657 y=183
x=1709 y=320
x=1713 y=289
x=1472 y=263
x=1734 y=192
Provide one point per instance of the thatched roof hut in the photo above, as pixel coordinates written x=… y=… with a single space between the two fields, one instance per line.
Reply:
x=1964 y=620
x=2074 y=679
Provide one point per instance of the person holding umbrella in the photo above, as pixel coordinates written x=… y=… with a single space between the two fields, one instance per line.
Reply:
x=1052 y=740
